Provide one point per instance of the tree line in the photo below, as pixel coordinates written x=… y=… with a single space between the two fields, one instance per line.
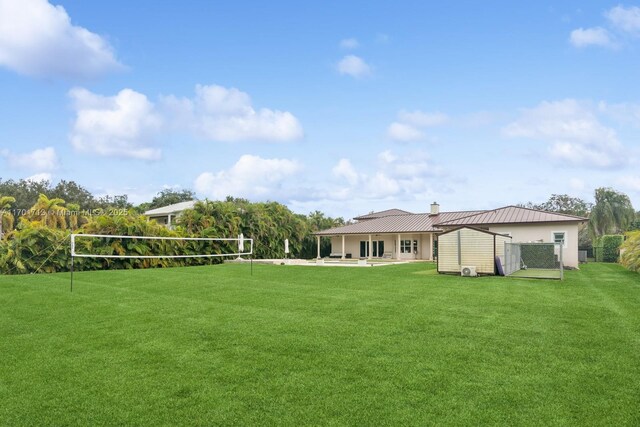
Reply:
x=36 y=228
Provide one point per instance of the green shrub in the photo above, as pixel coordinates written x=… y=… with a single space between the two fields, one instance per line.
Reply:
x=630 y=249
x=610 y=247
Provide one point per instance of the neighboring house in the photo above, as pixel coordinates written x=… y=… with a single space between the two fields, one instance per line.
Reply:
x=406 y=236
x=166 y=215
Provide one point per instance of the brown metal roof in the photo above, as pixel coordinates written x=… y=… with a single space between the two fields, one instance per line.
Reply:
x=511 y=215
x=405 y=223
x=381 y=214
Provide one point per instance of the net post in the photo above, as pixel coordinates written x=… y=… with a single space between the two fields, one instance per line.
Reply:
x=73 y=251
x=561 y=262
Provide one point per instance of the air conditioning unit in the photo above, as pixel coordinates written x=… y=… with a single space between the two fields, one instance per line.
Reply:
x=468 y=271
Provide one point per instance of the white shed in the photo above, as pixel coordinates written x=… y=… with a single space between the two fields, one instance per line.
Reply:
x=470 y=247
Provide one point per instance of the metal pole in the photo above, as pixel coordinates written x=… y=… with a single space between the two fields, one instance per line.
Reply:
x=71 y=273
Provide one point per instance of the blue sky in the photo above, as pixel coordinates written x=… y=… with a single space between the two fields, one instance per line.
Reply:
x=345 y=107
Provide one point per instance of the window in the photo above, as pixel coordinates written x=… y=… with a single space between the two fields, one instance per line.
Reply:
x=405 y=246
x=415 y=246
x=560 y=237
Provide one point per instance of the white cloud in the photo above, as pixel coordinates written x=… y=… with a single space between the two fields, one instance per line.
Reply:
x=222 y=114
x=623 y=112
x=423 y=119
x=625 y=19
x=123 y=125
x=410 y=125
x=597 y=36
x=250 y=177
x=353 y=66
x=395 y=177
x=630 y=182
x=344 y=169
x=622 y=22
x=44 y=176
x=38 y=39
x=349 y=43
x=574 y=132
x=576 y=184
x=404 y=132
x=42 y=159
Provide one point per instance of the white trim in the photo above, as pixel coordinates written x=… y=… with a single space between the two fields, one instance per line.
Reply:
x=566 y=237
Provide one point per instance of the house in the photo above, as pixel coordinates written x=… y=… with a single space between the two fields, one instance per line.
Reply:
x=166 y=215
x=402 y=235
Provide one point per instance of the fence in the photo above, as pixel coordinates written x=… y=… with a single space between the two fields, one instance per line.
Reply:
x=534 y=260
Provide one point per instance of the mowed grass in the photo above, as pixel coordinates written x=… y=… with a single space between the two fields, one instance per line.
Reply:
x=393 y=345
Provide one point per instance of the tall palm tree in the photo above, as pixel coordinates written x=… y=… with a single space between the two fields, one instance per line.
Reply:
x=6 y=218
x=49 y=212
x=612 y=212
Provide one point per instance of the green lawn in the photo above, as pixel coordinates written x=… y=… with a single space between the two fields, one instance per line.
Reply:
x=392 y=345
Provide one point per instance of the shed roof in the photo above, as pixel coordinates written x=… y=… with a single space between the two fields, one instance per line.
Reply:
x=405 y=223
x=171 y=209
x=510 y=215
x=474 y=229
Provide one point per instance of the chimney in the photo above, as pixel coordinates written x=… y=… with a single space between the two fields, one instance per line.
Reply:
x=435 y=208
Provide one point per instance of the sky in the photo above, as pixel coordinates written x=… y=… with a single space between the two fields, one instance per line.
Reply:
x=342 y=107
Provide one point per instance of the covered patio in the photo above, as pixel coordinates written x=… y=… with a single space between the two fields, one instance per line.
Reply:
x=397 y=246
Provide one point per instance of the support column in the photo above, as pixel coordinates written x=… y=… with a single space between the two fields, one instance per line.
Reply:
x=169 y=221
x=398 y=248
x=318 y=237
x=430 y=255
x=370 y=247
x=343 y=250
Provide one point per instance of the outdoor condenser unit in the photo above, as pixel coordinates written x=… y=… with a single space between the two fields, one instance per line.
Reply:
x=468 y=271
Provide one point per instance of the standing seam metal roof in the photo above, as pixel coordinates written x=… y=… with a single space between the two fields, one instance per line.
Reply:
x=388 y=212
x=511 y=215
x=406 y=223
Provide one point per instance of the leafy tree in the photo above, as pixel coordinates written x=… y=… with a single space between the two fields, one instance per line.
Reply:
x=170 y=197
x=117 y=201
x=72 y=193
x=635 y=224
x=25 y=192
x=612 y=212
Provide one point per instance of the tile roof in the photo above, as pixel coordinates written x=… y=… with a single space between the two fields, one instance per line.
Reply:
x=405 y=223
x=511 y=215
x=381 y=214
x=171 y=209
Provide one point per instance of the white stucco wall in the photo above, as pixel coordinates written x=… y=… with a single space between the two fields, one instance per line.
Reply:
x=544 y=233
